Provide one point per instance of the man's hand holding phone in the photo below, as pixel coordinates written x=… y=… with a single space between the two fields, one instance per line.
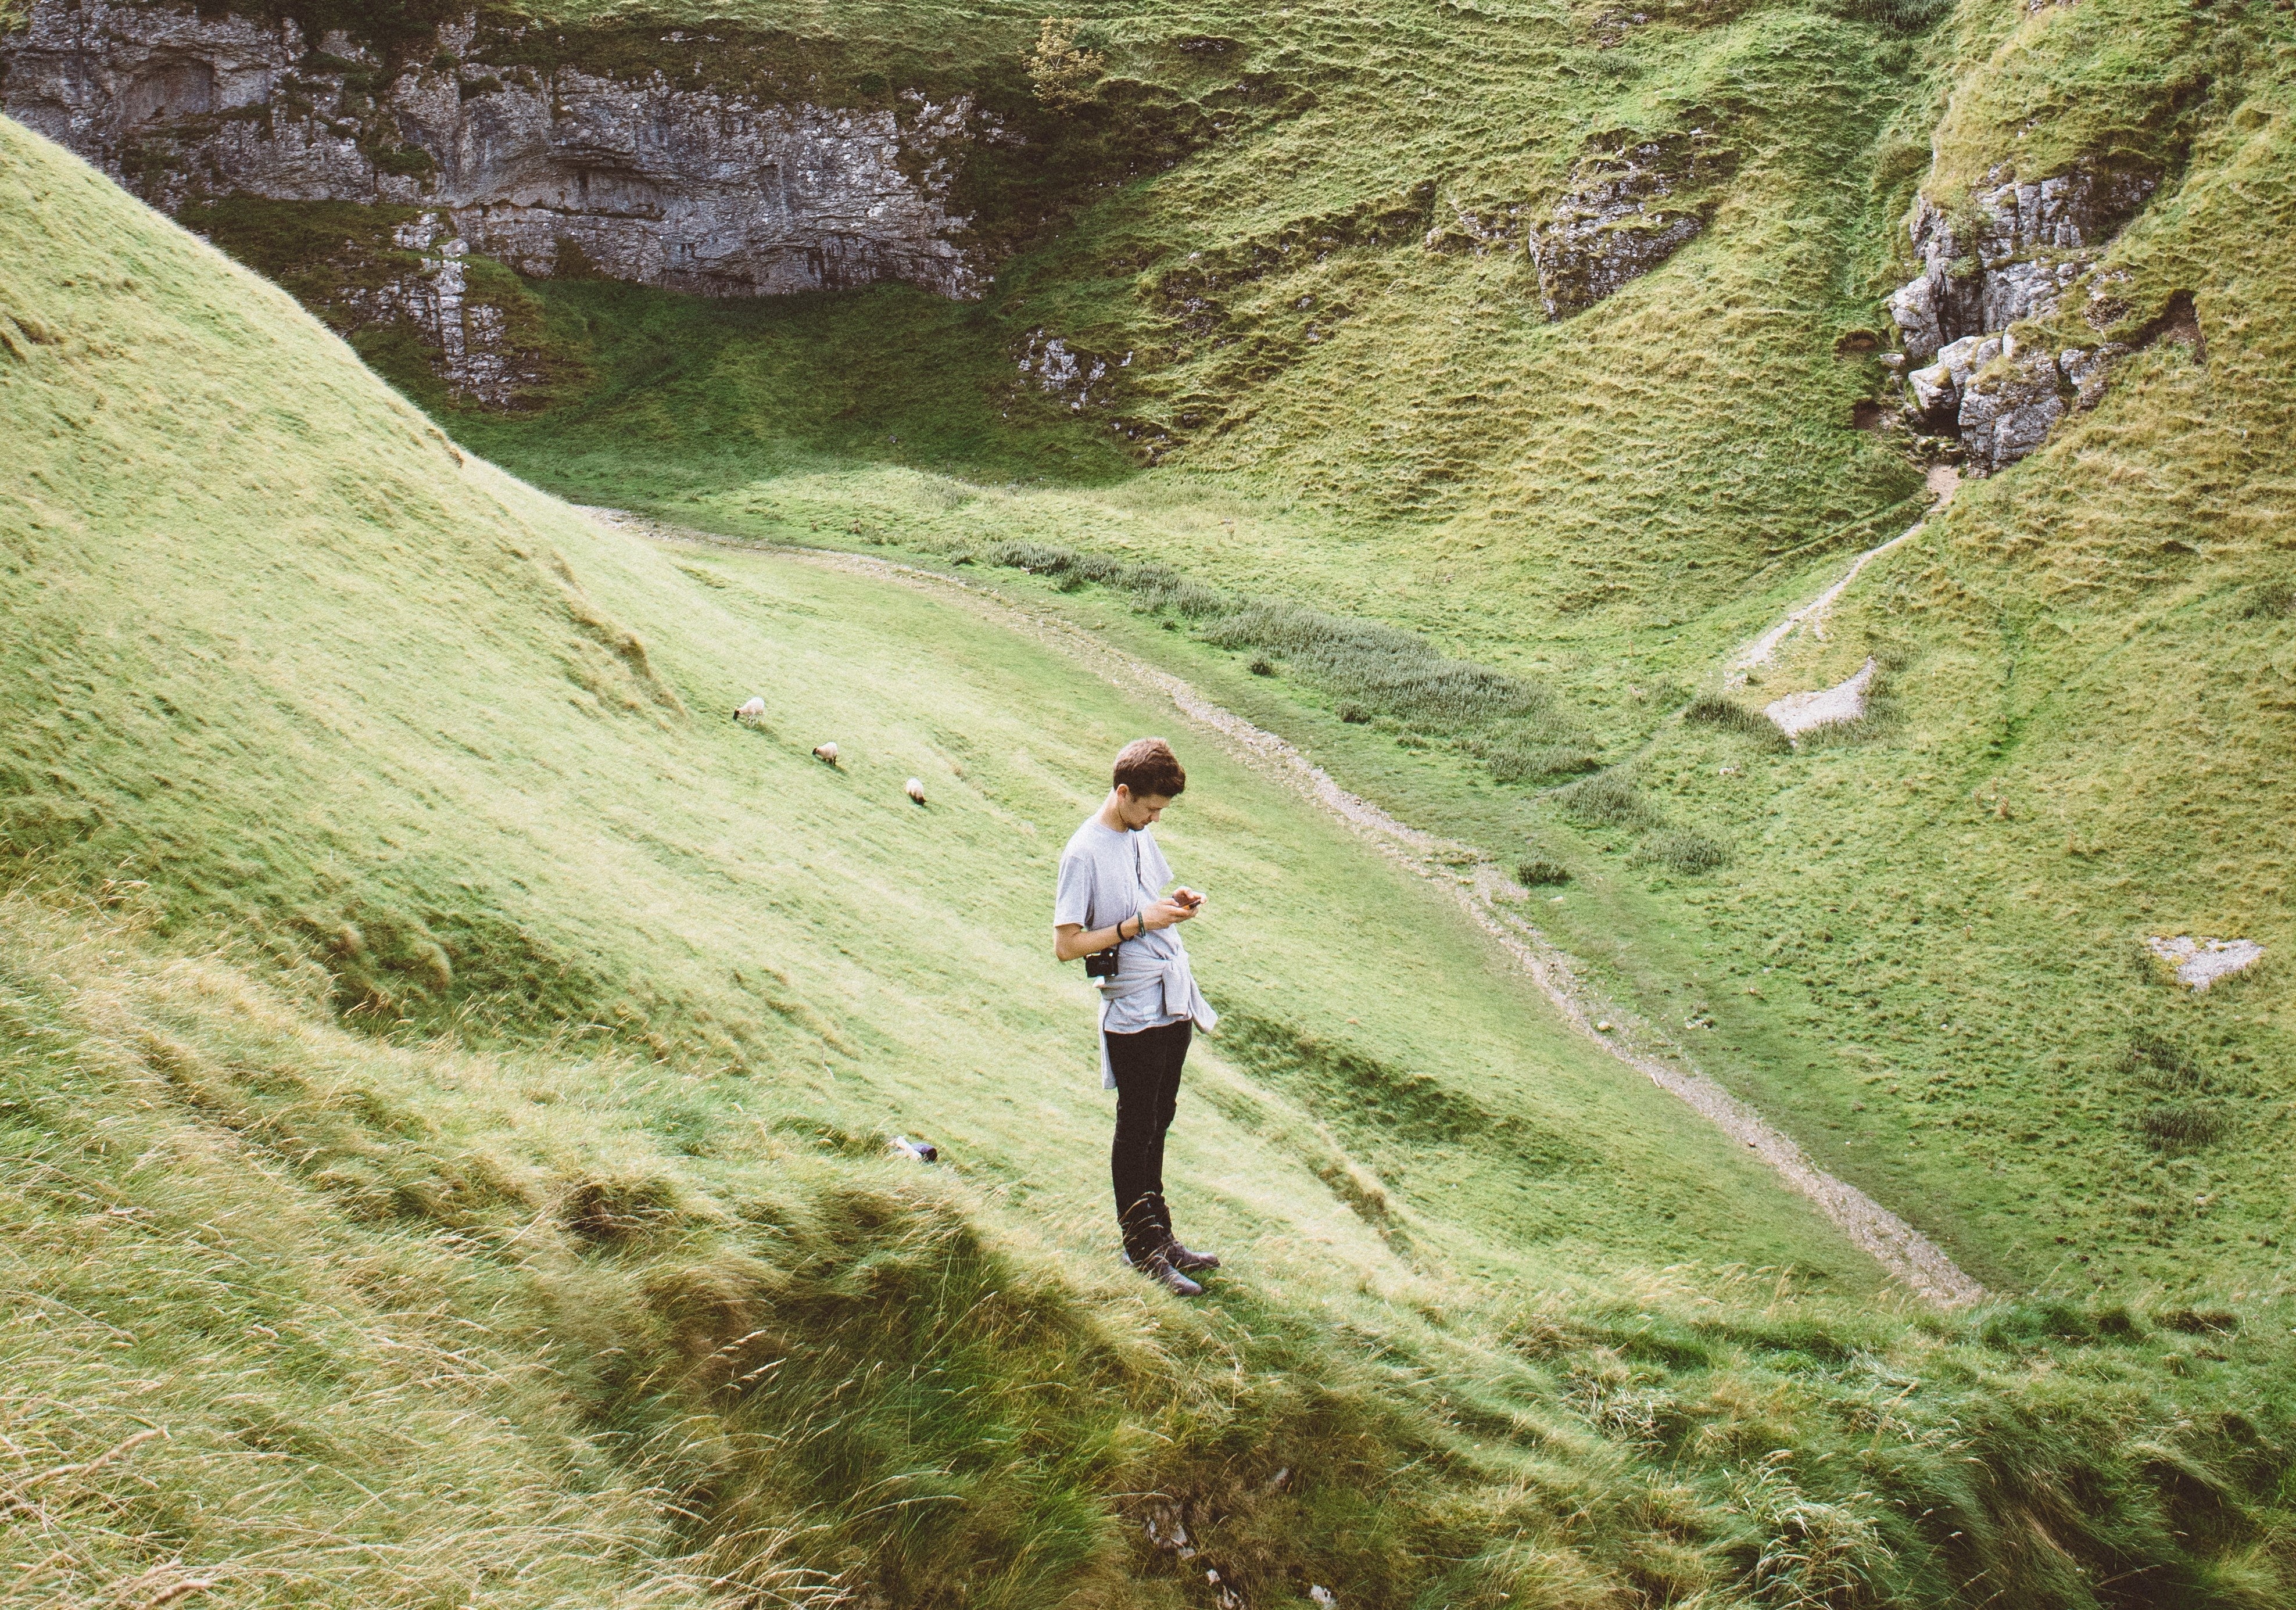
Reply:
x=1178 y=906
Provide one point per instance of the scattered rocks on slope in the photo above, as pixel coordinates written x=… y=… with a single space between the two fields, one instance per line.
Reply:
x=662 y=179
x=2199 y=963
x=1627 y=210
x=1060 y=371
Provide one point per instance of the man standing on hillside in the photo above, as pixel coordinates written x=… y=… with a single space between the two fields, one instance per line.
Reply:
x=1108 y=906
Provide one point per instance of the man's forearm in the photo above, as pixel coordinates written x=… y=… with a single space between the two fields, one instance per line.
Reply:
x=1070 y=946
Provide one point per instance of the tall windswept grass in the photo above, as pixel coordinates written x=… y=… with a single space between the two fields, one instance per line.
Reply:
x=303 y=1317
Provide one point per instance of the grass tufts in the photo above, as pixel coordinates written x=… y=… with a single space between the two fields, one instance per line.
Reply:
x=1608 y=799
x=1686 y=851
x=2182 y=1126
x=1729 y=715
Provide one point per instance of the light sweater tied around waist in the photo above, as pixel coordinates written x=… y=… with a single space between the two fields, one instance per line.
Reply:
x=1173 y=978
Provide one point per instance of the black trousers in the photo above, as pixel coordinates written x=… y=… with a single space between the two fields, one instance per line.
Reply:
x=1147 y=1069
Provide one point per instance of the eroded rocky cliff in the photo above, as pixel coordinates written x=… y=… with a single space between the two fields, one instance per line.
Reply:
x=667 y=176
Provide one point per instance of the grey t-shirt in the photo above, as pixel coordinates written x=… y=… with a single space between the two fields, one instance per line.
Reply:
x=1106 y=875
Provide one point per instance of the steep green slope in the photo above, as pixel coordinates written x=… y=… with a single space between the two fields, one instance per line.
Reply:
x=446 y=770
x=445 y=1063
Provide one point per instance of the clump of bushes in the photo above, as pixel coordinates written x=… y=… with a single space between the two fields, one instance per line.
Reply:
x=1379 y=672
x=1608 y=799
x=1397 y=672
x=1062 y=71
x=1527 y=751
x=1537 y=872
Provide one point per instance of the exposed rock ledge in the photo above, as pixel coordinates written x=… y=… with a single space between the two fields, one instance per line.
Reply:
x=1631 y=204
x=2022 y=246
x=696 y=189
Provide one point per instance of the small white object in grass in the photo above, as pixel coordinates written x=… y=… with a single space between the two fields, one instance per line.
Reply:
x=1321 y=1595
x=915 y=789
x=825 y=751
x=2201 y=962
x=1603 y=1025
x=753 y=712
x=916 y=1151
x=1165 y=1529
x=1799 y=713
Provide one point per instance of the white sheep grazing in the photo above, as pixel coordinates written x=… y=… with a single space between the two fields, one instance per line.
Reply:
x=825 y=751
x=753 y=712
x=916 y=789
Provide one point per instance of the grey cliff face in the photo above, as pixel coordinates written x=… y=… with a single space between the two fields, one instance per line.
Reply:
x=1620 y=218
x=2028 y=245
x=469 y=338
x=693 y=188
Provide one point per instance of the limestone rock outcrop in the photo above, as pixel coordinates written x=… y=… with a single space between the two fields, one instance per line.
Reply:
x=2026 y=244
x=665 y=179
x=2002 y=396
x=2011 y=261
x=1624 y=212
x=469 y=337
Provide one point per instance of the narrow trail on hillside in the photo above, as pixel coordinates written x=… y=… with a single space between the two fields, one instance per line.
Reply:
x=1811 y=616
x=1486 y=894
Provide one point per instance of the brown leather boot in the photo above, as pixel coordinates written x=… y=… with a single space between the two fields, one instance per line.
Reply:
x=1159 y=1268
x=1186 y=1262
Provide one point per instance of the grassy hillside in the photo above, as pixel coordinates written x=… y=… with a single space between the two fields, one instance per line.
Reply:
x=1920 y=949
x=446 y=1061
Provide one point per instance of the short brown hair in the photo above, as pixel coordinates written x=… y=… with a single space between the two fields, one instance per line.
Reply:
x=1147 y=765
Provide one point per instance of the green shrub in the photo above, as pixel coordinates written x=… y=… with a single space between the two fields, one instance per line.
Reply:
x=1537 y=873
x=1061 y=72
x=407 y=161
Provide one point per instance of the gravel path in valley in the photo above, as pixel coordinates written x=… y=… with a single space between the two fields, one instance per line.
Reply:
x=1484 y=892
